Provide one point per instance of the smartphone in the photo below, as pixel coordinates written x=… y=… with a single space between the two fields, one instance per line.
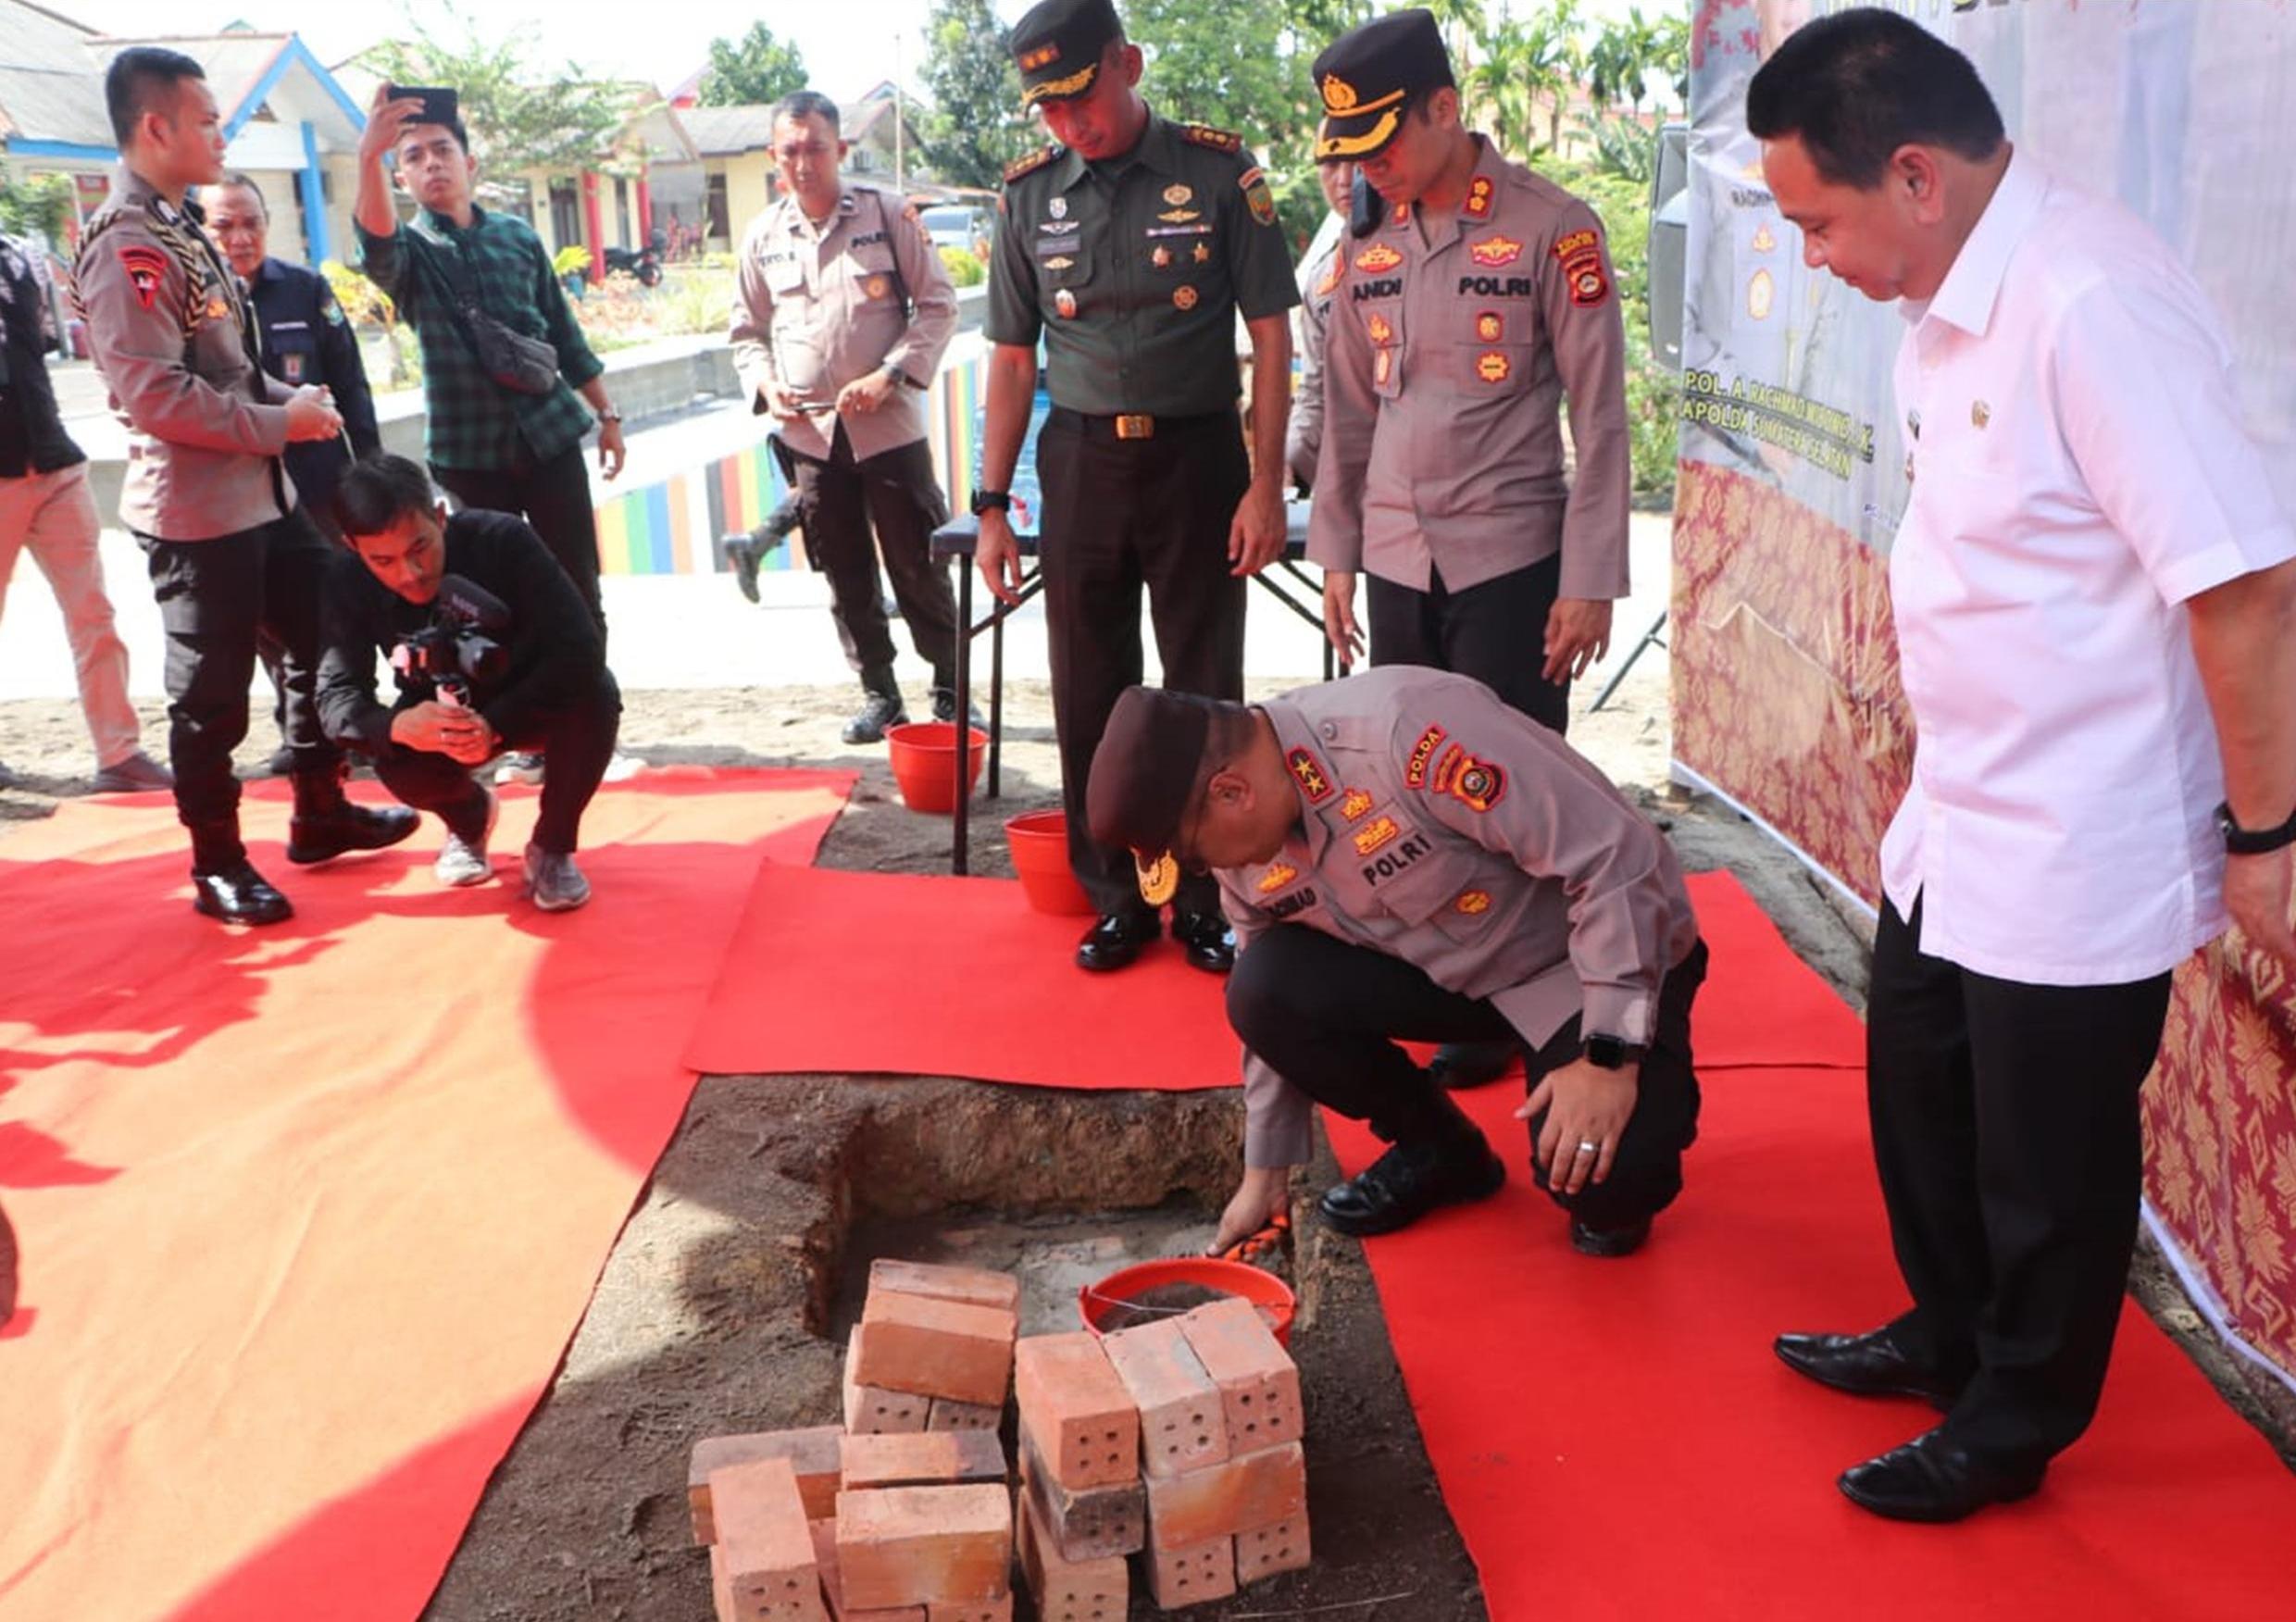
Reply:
x=1364 y=209
x=439 y=106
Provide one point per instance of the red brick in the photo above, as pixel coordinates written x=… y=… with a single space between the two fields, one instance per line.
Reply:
x=1068 y=1591
x=873 y=1412
x=1256 y=1490
x=762 y=1566
x=1089 y=1523
x=997 y=1610
x=924 y=1545
x=1182 y=1423
x=934 y=1348
x=1259 y=1383
x=824 y=1553
x=974 y=1286
x=921 y=1460
x=1264 y=1550
x=946 y=1415
x=1189 y=1576
x=1083 y=1420
x=813 y=1452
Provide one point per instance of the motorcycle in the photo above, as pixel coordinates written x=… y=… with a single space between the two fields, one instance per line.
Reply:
x=643 y=263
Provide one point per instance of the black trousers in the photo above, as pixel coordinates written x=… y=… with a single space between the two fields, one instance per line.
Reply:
x=1495 y=632
x=1328 y=1016
x=839 y=501
x=216 y=600
x=2007 y=1133
x=579 y=741
x=554 y=497
x=1120 y=515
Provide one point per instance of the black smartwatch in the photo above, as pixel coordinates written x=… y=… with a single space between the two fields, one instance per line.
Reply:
x=992 y=500
x=2241 y=841
x=1611 y=1053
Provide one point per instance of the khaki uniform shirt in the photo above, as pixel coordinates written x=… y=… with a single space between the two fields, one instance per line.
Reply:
x=815 y=309
x=1452 y=342
x=1319 y=279
x=1133 y=271
x=1440 y=826
x=171 y=335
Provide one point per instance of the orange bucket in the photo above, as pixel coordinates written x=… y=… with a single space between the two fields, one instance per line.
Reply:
x=1039 y=840
x=1096 y=1303
x=924 y=763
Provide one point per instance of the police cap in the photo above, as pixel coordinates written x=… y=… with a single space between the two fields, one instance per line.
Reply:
x=1145 y=778
x=1057 y=46
x=1367 y=77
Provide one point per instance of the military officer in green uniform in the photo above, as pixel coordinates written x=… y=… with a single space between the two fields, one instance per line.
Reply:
x=1130 y=249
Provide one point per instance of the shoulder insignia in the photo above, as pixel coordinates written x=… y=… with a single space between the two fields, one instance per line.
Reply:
x=1031 y=164
x=1479 y=198
x=145 y=265
x=1217 y=139
x=1422 y=753
x=1580 y=255
x=1255 y=192
x=1309 y=773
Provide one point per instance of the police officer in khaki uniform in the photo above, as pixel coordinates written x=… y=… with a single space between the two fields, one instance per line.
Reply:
x=1130 y=249
x=841 y=309
x=1480 y=303
x=1406 y=858
x=233 y=555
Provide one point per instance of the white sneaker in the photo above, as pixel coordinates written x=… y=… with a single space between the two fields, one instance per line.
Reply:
x=553 y=880
x=622 y=767
x=462 y=861
x=525 y=767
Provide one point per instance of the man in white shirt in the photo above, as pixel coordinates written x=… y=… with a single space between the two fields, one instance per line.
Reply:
x=2093 y=598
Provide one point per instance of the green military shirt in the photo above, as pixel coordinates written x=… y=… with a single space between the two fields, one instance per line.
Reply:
x=1133 y=269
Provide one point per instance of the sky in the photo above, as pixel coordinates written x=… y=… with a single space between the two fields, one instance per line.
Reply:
x=849 y=46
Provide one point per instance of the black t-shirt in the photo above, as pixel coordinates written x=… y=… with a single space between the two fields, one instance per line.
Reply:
x=556 y=659
x=31 y=435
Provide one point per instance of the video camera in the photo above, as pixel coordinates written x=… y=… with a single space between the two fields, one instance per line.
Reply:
x=458 y=646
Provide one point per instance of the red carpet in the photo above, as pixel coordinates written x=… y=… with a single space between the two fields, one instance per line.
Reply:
x=1645 y=1455
x=308 y=1213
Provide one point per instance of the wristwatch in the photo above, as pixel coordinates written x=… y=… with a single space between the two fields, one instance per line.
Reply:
x=1612 y=1053
x=609 y=415
x=2241 y=841
x=988 y=500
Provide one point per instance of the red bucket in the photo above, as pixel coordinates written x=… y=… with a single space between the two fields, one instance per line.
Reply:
x=1097 y=1303
x=1039 y=840
x=924 y=763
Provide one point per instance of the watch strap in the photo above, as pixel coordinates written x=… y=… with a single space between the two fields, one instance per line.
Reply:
x=2243 y=842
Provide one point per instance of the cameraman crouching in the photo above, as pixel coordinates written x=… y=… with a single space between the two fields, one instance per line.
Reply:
x=494 y=649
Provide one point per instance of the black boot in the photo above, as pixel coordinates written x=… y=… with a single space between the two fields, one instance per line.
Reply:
x=945 y=708
x=1443 y=1160
x=225 y=885
x=880 y=709
x=326 y=824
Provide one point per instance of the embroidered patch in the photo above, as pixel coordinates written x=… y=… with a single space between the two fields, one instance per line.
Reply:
x=1184 y=297
x=1377 y=835
x=1761 y=293
x=1478 y=198
x=1576 y=242
x=1473 y=902
x=1356 y=805
x=1330 y=276
x=145 y=265
x=1308 y=771
x=1379 y=256
x=1445 y=769
x=1414 y=769
x=1065 y=302
x=1277 y=876
x=876 y=287
x=1378 y=326
x=1180 y=215
x=1492 y=367
x=1060 y=262
x=1401 y=215
x=1217 y=139
x=1042 y=56
x=1478 y=785
x=1495 y=250
x=1588 y=285
x=1031 y=164
x=1489 y=325
x=1383 y=366
x=1058 y=208
x=1177 y=197
x=1158 y=877
x=1338 y=96
x=1763 y=241
x=292 y=365
x=1255 y=192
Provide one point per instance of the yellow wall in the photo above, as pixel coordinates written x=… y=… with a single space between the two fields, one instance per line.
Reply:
x=747 y=192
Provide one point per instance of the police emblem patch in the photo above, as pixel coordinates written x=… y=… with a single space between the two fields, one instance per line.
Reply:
x=1489 y=325
x=1478 y=785
x=1057 y=208
x=1495 y=251
x=1184 y=297
x=1760 y=294
x=1492 y=367
x=145 y=265
x=1587 y=285
x=1414 y=769
x=876 y=287
x=1375 y=835
x=1379 y=256
x=1356 y=805
x=1177 y=195
x=1255 y=192
x=1308 y=772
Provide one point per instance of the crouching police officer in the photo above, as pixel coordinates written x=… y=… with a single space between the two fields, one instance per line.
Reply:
x=510 y=659
x=1406 y=858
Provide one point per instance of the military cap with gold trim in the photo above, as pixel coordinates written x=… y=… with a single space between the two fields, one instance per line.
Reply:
x=1144 y=778
x=1367 y=77
x=1057 y=46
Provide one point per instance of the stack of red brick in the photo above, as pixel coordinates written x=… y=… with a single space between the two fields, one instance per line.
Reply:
x=1179 y=1441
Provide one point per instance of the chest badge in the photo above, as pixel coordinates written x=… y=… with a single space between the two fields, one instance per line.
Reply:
x=1161 y=258
x=1375 y=836
x=1761 y=294
x=1180 y=215
x=1495 y=251
x=1177 y=196
x=1307 y=771
x=1490 y=326
x=1379 y=256
x=1473 y=902
x=1763 y=241
x=876 y=287
x=1060 y=262
x=1979 y=414
x=1379 y=328
x=1277 y=876
x=1356 y=805
x=1492 y=367
x=1383 y=366
x=1065 y=302
x=1478 y=198
x=1184 y=297
x=292 y=366
x=1159 y=879
x=1478 y=785
x=1057 y=208
x=144 y=265
x=1203 y=254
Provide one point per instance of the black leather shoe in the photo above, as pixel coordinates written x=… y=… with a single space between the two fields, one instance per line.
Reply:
x=1115 y=940
x=1608 y=1243
x=944 y=709
x=1408 y=1181
x=1866 y=1366
x=1460 y=1064
x=1933 y=1477
x=1210 y=943
x=239 y=895
x=324 y=835
x=745 y=555
x=878 y=711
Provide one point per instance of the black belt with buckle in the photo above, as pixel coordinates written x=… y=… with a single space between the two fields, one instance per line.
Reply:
x=1141 y=425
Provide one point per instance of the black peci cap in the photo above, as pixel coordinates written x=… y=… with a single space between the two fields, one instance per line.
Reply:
x=1145 y=775
x=1367 y=77
x=1057 y=46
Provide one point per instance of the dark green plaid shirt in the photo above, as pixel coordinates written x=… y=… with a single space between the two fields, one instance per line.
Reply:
x=474 y=422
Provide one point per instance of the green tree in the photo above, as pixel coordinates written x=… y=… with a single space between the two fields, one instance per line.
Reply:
x=519 y=119
x=1621 y=60
x=1239 y=67
x=42 y=203
x=751 y=72
x=976 y=126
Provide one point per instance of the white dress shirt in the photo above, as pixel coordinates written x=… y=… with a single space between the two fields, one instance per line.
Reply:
x=2080 y=470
